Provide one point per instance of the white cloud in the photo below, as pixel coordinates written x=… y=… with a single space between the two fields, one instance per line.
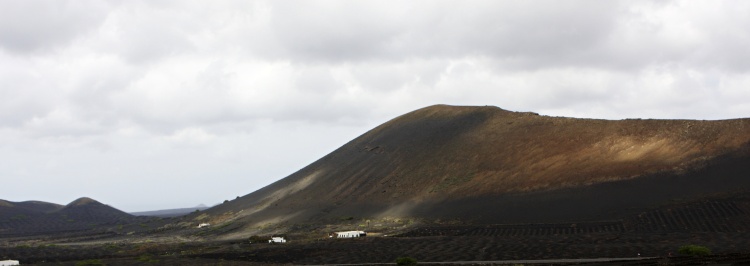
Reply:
x=191 y=135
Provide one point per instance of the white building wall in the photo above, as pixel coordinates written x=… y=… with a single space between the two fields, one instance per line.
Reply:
x=277 y=240
x=349 y=234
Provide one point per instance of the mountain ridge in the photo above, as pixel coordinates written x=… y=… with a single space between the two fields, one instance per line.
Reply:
x=170 y=212
x=439 y=161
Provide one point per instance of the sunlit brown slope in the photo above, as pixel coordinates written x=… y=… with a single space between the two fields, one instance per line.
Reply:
x=490 y=165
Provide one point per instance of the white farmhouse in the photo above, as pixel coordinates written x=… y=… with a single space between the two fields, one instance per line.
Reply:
x=350 y=234
x=204 y=225
x=277 y=239
x=9 y=262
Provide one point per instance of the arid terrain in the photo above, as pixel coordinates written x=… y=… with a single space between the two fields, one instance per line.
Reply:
x=447 y=184
x=487 y=165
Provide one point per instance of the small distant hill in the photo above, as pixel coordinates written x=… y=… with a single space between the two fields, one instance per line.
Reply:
x=38 y=206
x=170 y=212
x=92 y=210
x=15 y=210
x=37 y=217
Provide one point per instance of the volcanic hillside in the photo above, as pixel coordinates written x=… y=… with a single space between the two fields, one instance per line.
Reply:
x=37 y=217
x=28 y=207
x=489 y=165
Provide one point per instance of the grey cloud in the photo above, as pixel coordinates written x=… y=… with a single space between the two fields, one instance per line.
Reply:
x=340 y=32
x=149 y=31
x=391 y=77
x=539 y=30
x=210 y=94
x=697 y=34
x=29 y=26
x=144 y=34
x=23 y=97
x=620 y=35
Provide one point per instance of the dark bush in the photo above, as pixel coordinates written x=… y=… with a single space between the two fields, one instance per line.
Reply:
x=694 y=250
x=258 y=239
x=147 y=258
x=406 y=261
x=92 y=262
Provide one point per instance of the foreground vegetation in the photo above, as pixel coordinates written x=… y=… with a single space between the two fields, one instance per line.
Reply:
x=694 y=250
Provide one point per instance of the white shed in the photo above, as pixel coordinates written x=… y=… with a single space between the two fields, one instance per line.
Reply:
x=9 y=262
x=277 y=239
x=350 y=234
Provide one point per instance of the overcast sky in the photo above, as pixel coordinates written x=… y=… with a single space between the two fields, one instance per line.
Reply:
x=147 y=105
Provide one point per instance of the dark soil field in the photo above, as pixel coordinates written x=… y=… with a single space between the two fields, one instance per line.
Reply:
x=731 y=247
x=654 y=235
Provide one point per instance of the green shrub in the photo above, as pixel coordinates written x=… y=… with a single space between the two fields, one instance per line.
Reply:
x=19 y=217
x=111 y=247
x=694 y=250
x=147 y=258
x=406 y=261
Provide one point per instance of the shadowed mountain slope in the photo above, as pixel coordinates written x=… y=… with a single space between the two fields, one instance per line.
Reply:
x=36 y=217
x=30 y=206
x=489 y=165
x=89 y=209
